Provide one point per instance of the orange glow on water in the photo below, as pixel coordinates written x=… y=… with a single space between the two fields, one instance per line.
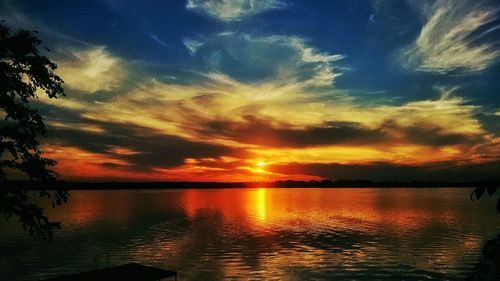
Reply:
x=268 y=217
x=313 y=208
x=269 y=208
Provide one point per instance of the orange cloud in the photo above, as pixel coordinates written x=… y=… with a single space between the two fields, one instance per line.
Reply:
x=216 y=127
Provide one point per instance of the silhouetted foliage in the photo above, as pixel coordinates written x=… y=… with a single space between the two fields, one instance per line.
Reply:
x=489 y=269
x=23 y=73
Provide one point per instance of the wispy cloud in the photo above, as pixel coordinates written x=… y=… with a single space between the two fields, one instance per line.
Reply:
x=250 y=95
x=192 y=45
x=158 y=40
x=292 y=113
x=247 y=58
x=277 y=120
x=259 y=97
x=457 y=35
x=232 y=10
x=92 y=70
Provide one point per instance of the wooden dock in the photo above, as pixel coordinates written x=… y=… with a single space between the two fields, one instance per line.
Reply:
x=130 y=271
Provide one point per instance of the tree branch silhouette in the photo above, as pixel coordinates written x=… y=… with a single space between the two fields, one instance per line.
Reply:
x=24 y=73
x=489 y=268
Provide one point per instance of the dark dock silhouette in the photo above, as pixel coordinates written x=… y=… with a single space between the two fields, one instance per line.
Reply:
x=130 y=271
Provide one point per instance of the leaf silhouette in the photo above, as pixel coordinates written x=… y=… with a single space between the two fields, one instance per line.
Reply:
x=479 y=191
x=491 y=190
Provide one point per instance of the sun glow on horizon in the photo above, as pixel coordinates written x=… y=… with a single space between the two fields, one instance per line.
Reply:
x=260 y=165
x=243 y=103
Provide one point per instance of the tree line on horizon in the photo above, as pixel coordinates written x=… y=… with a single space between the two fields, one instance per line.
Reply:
x=277 y=184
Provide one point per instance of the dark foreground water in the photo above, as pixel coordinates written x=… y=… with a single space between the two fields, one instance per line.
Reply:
x=262 y=234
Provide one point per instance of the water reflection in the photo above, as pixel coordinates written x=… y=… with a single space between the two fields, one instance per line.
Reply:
x=291 y=234
x=261 y=204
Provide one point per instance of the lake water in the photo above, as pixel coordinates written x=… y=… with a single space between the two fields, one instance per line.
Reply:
x=262 y=234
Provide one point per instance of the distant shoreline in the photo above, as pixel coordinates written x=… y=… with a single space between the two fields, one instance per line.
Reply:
x=116 y=185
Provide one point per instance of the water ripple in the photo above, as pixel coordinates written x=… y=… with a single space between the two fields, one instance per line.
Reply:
x=255 y=234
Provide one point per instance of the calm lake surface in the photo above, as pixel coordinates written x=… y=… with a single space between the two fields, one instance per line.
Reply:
x=262 y=234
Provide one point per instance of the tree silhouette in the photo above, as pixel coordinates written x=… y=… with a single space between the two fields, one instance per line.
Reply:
x=489 y=268
x=24 y=73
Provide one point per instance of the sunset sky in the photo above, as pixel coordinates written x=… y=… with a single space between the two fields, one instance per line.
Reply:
x=268 y=90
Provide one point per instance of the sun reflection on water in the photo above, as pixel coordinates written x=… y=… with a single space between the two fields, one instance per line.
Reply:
x=262 y=232
x=261 y=204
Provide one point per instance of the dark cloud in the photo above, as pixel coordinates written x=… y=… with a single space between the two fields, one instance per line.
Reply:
x=435 y=136
x=111 y=165
x=148 y=148
x=152 y=148
x=263 y=132
x=427 y=134
x=443 y=171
